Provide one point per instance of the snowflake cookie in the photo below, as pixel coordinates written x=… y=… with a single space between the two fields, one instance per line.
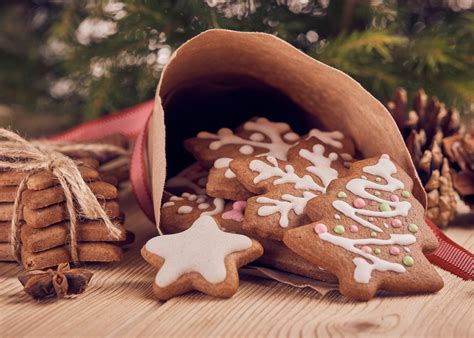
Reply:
x=370 y=232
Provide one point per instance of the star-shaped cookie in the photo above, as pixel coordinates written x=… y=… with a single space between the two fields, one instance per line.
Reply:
x=203 y=258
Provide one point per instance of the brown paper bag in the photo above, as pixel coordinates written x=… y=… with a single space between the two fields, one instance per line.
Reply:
x=221 y=78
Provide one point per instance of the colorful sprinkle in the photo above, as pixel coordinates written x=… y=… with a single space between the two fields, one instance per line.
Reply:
x=396 y=223
x=405 y=194
x=353 y=228
x=412 y=227
x=366 y=249
x=378 y=179
x=394 y=198
x=407 y=249
x=384 y=207
x=373 y=234
x=359 y=203
x=341 y=194
x=408 y=261
x=320 y=228
x=339 y=229
x=385 y=156
x=377 y=251
x=336 y=216
x=371 y=219
x=377 y=193
x=394 y=251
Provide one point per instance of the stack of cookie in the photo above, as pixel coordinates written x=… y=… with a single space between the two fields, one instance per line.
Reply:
x=315 y=210
x=44 y=218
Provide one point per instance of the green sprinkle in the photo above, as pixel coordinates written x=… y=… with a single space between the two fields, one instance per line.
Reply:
x=378 y=179
x=412 y=227
x=405 y=194
x=384 y=207
x=373 y=234
x=377 y=193
x=339 y=229
x=408 y=261
x=341 y=194
x=377 y=251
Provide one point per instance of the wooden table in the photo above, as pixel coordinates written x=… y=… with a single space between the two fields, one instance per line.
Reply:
x=119 y=301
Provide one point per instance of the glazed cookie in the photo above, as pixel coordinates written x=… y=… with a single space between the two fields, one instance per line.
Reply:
x=283 y=188
x=203 y=258
x=370 y=232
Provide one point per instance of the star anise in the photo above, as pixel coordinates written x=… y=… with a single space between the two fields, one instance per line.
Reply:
x=64 y=281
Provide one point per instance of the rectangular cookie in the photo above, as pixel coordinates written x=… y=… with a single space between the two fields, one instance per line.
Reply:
x=36 y=199
x=45 y=179
x=8 y=193
x=40 y=218
x=11 y=178
x=6 y=211
x=5 y=229
x=36 y=240
x=6 y=253
x=88 y=252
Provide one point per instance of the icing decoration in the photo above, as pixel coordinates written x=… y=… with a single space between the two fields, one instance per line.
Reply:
x=377 y=251
x=339 y=229
x=407 y=249
x=366 y=249
x=386 y=225
x=354 y=228
x=346 y=156
x=321 y=165
x=384 y=168
x=203 y=206
x=201 y=199
x=363 y=270
x=202 y=249
x=336 y=216
x=394 y=198
x=359 y=203
x=363 y=177
x=224 y=163
x=385 y=156
x=373 y=234
x=167 y=204
x=378 y=179
x=185 y=209
x=257 y=137
x=377 y=193
x=246 y=150
x=412 y=227
x=176 y=198
x=291 y=137
x=341 y=194
x=190 y=197
x=396 y=223
x=331 y=138
x=320 y=228
x=394 y=251
x=405 y=194
x=284 y=206
x=237 y=212
x=408 y=261
x=371 y=219
x=218 y=207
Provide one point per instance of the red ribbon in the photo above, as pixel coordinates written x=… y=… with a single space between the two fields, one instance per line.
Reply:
x=133 y=122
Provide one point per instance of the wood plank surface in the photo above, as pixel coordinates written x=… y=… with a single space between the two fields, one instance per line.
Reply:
x=119 y=302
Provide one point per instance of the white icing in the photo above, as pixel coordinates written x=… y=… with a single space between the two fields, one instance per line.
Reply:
x=407 y=249
x=202 y=249
x=284 y=206
x=331 y=138
x=189 y=197
x=201 y=199
x=257 y=137
x=321 y=165
x=176 y=198
x=218 y=207
x=363 y=270
x=336 y=216
x=386 y=225
x=291 y=137
x=203 y=206
x=273 y=130
x=346 y=156
x=185 y=209
x=224 y=162
x=167 y=204
x=363 y=177
x=384 y=168
x=246 y=150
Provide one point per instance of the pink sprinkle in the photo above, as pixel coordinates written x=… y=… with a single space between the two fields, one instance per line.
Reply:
x=385 y=156
x=371 y=219
x=394 y=251
x=359 y=203
x=320 y=228
x=237 y=212
x=394 y=198
x=396 y=223
x=366 y=249
x=353 y=228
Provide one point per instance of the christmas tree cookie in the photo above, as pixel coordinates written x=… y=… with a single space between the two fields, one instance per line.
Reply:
x=370 y=232
x=284 y=187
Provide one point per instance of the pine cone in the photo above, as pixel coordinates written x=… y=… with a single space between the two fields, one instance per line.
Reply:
x=433 y=135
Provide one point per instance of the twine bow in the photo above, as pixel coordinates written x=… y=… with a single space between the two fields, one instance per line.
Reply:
x=18 y=154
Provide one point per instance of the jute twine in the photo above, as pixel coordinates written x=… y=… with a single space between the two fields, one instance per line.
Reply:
x=18 y=154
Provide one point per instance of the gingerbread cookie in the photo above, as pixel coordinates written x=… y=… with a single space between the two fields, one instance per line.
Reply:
x=370 y=232
x=285 y=187
x=193 y=180
x=203 y=258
